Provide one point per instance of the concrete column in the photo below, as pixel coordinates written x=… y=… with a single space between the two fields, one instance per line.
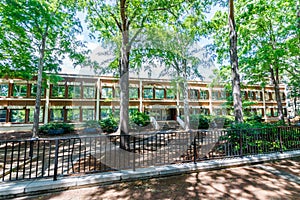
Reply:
x=177 y=100
x=98 y=99
x=210 y=101
x=141 y=96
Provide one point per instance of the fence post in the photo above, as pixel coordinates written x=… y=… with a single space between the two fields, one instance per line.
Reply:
x=133 y=152
x=280 y=139
x=194 y=148
x=56 y=160
x=241 y=142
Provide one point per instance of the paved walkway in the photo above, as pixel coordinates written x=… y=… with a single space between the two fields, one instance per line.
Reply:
x=271 y=180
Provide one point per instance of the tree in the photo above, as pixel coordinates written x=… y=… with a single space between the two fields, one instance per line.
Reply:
x=176 y=49
x=37 y=35
x=266 y=42
x=236 y=86
x=122 y=21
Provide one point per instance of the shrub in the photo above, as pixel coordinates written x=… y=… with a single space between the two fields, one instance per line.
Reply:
x=140 y=119
x=51 y=127
x=109 y=125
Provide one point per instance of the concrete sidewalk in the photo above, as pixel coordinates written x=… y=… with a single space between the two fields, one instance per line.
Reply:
x=31 y=187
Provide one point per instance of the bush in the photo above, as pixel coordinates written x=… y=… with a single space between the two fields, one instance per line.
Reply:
x=140 y=119
x=56 y=128
x=109 y=125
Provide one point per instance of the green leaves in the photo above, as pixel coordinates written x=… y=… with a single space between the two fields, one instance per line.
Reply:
x=25 y=23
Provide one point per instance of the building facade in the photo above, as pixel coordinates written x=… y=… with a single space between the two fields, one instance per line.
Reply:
x=79 y=98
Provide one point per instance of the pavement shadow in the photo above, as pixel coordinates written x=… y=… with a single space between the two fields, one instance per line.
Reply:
x=248 y=182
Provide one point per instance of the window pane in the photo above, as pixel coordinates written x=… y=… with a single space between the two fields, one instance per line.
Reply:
x=133 y=93
x=170 y=94
x=73 y=115
x=74 y=92
x=223 y=95
x=148 y=93
x=88 y=92
x=117 y=92
x=4 y=90
x=3 y=114
x=88 y=114
x=107 y=92
x=215 y=95
x=57 y=115
x=194 y=94
x=17 y=116
x=203 y=94
x=105 y=112
x=58 y=91
x=159 y=93
x=31 y=115
x=19 y=90
x=34 y=89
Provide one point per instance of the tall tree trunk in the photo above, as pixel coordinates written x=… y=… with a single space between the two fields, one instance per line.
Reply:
x=275 y=80
x=236 y=87
x=124 y=79
x=186 y=99
x=36 y=117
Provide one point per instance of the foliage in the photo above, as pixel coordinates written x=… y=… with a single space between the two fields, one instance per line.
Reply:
x=139 y=118
x=200 y=121
x=35 y=37
x=268 y=42
x=67 y=128
x=109 y=125
x=24 y=25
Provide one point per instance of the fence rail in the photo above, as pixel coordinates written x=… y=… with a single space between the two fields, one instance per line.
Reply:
x=26 y=159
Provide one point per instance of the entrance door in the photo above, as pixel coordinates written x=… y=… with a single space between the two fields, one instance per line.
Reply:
x=172 y=114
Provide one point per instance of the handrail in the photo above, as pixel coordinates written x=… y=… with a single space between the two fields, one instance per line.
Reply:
x=154 y=123
x=180 y=122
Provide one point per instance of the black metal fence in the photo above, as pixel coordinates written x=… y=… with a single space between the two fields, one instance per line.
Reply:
x=26 y=159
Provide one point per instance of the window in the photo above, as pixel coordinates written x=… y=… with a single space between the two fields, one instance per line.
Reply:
x=17 y=116
x=252 y=95
x=117 y=92
x=203 y=94
x=105 y=112
x=159 y=93
x=170 y=94
x=133 y=93
x=259 y=96
x=148 y=93
x=19 y=90
x=88 y=114
x=107 y=92
x=73 y=115
x=275 y=112
x=194 y=94
x=31 y=115
x=3 y=114
x=88 y=92
x=34 y=89
x=4 y=90
x=58 y=91
x=282 y=96
x=215 y=95
x=57 y=115
x=74 y=91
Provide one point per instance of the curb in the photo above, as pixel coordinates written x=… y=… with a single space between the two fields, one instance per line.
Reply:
x=38 y=186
